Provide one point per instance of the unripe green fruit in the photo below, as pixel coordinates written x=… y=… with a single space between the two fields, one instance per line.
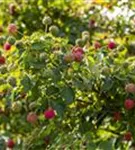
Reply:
x=47 y=20
x=85 y=38
x=43 y=56
x=11 y=40
x=85 y=33
x=2 y=81
x=79 y=42
x=54 y=30
x=3 y=69
x=19 y=44
x=2 y=40
x=12 y=81
x=106 y=70
x=32 y=105
x=16 y=106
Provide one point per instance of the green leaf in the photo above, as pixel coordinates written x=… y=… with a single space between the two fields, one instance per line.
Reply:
x=26 y=83
x=68 y=94
x=37 y=46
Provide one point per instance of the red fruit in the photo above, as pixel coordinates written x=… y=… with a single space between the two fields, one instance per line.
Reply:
x=111 y=45
x=130 y=88
x=12 y=28
x=69 y=58
x=128 y=136
x=49 y=113
x=116 y=116
x=10 y=143
x=7 y=46
x=91 y=23
x=78 y=54
x=32 y=117
x=97 y=45
x=2 y=60
x=129 y=104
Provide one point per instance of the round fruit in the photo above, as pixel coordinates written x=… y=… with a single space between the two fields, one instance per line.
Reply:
x=12 y=28
x=49 y=113
x=85 y=38
x=78 y=54
x=85 y=33
x=10 y=143
x=32 y=105
x=12 y=81
x=7 y=46
x=97 y=45
x=16 y=106
x=129 y=104
x=47 y=20
x=2 y=60
x=11 y=40
x=128 y=136
x=111 y=45
x=2 y=40
x=32 y=117
x=3 y=69
x=12 y=9
x=130 y=88
x=54 y=30
x=79 y=42
x=116 y=116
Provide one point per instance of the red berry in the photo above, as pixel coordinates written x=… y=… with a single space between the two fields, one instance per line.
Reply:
x=91 y=23
x=78 y=54
x=97 y=45
x=2 y=60
x=130 y=88
x=129 y=104
x=128 y=136
x=111 y=45
x=116 y=116
x=7 y=46
x=32 y=117
x=12 y=28
x=10 y=143
x=49 y=113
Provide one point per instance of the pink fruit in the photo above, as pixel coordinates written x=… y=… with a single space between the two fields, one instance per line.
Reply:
x=2 y=60
x=78 y=54
x=32 y=117
x=7 y=46
x=129 y=104
x=12 y=28
x=130 y=88
x=128 y=136
x=10 y=143
x=111 y=45
x=116 y=116
x=49 y=113
x=69 y=58
x=97 y=45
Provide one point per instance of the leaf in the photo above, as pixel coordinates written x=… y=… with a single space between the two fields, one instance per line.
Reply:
x=26 y=83
x=68 y=94
x=37 y=46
